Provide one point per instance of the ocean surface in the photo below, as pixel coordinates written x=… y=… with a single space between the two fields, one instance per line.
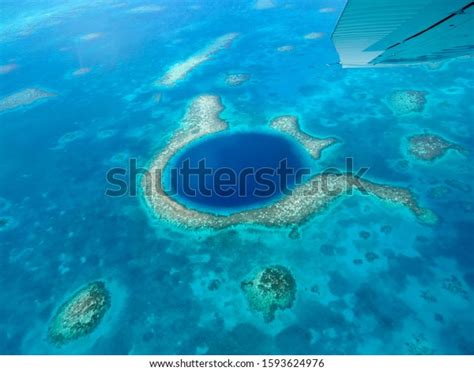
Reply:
x=371 y=279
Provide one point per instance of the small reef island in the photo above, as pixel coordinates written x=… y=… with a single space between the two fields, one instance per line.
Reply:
x=80 y=315
x=307 y=199
x=429 y=147
x=271 y=289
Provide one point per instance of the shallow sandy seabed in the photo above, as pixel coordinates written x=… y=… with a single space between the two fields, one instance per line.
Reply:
x=180 y=70
x=24 y=97
x=327 y=10
x=120 y=158
x=50 y=16
x=106 y=133
x=264 y=4
x=147 y=9
x=201 y=119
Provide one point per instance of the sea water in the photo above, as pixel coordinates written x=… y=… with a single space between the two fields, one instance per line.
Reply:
x=178 y=291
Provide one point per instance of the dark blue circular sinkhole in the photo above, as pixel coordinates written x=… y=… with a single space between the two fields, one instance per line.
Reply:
x=230 y=172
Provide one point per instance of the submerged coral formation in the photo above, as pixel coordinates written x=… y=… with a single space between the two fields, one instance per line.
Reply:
x=454 y=286
x=80 y=315
x=264 y=4
x=428 y=296
x=180 y=70
x=90 y=36
x=290 y=126
x=6 y=223
x=429 y=147
x=307 y=199
x=81 y=71
x=24 y=97
x=403 y=102
x=3 y=221
x=7 y=68
x=370 y=256
x=314 y=35
x=285 y=48
x=236 y=79
x=418 y=345
x=271 y=289
x=327 y=10
x=68 y=138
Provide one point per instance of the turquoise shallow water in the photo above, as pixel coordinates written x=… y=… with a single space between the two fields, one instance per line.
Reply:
x=370 y=278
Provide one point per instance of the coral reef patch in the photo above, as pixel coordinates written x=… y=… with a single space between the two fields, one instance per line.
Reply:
x=236 y=79
x=289 y=125
x=90 y=36
x=272 y=289
x=23 y=98
x=314 y=35
x=285 y=48
x=179 y=71
x=81 y=71
x=454 y=286
x=80 y=315
x=429 y=147
x=7 y=68
x=403 y=102
x=306 y=199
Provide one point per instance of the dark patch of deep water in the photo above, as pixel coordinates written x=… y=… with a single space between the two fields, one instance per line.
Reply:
x=236 y=171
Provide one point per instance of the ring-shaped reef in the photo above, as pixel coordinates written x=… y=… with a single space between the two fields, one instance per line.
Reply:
x=307 y=199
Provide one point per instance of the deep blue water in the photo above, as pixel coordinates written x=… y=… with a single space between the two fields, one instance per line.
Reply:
x=239 y=170
x=63 y=232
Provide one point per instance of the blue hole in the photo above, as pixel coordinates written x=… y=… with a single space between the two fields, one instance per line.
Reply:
x=238 y=171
